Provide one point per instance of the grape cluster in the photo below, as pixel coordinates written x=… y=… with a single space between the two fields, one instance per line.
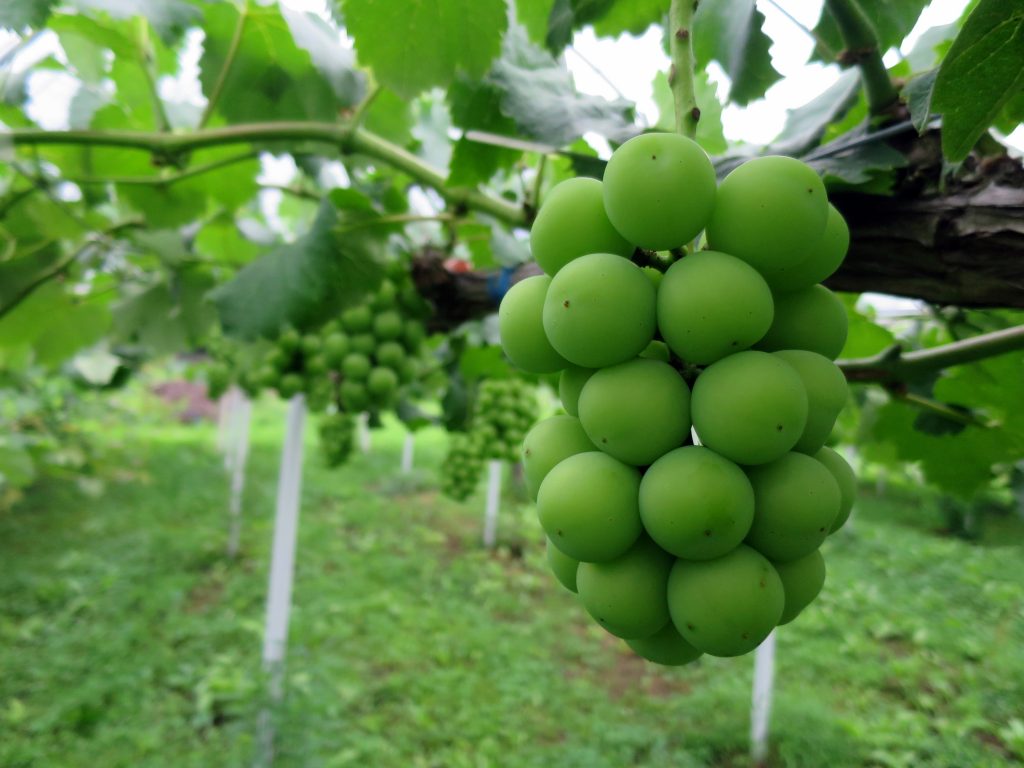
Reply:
x=686 y=492
x=463 y=465
x=337 y=436
x=503 y=412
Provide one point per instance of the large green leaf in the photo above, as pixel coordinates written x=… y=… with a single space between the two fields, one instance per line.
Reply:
x=335 y=62
x=305 y=282
x=917 y=94
x=53 y=324
x=477 y=105
x=413 y=46
x=805 y=125
x=534 y=15
x=168 y=17
x=633 y=17
x=539 y=95
x=729 y=32
x=270 y=77
x=982 y=71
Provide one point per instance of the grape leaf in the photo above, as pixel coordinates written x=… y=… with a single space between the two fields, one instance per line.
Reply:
x=389 y=116
x=709 y=127
x=53 y=324
x=729 y=32
x=981 y=72
x=270 y=77
x=917 y=94
x=864 y=337
x=632 y=17
x=805 y=125
x=478 y=105
x=336 y=63
x=306 y=281
x=539 y=95
x=533 y=15
x=413 y=46
x=16 y=466
x=18 y=14
x=569 y=15
x=168 y=17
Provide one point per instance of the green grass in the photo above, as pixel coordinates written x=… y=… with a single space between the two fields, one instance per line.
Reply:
x=127 y=638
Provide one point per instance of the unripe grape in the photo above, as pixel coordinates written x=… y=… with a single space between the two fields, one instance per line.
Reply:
x=636 y=411
x=572 y=223
x=548 y=443
x=386 y=296
x=278 y=359
x=391 y=354
x=696 y=504
x=413 y=334
x=657 y=350
x=599 y=311
x=310 y=344
x=825 y=259
x=587 y=505
x=726 y=606
x=357 y=319
x=408 y=370
x=770 y=212
x=659 y=190
x=628 y=595
x=711 y=305
x=291 y=384
x=354 y=395
x=666 y=647
x=563 y=566
x=796 y=500
x=813 y=319
x=364 y=343
x=289 y=340
x=266 y=376
x=387 y=325
x=521 y=328
x=750 y=407
x=382 y=383
x=847 y=481
x=335 y=347
x=802 y=580
x=570 y=384
x=654 y=275
x=317 y=364
x=826 y=395
x=355 y=366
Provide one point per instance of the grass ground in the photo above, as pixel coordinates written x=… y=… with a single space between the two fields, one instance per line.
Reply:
x=128 y=639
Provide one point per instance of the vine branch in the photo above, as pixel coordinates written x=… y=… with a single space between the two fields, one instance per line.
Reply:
x=680 y=79
x=862 y=50
x=891 y=365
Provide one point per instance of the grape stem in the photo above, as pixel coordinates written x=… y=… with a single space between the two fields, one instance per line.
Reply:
x=680 y=78
x=862 y=50
x=892 y=365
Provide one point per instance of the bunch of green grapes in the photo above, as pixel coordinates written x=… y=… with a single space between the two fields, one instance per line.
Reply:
x=337 y=436
x=504 y=412
x=463 y=465
x=687 y=490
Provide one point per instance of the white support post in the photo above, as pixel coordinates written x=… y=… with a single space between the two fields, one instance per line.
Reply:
x=761 y=700
x=282 y=570
x=408 y=447
x=363 y=431
x=240 y=455
x=226 y=424
x=493 y=501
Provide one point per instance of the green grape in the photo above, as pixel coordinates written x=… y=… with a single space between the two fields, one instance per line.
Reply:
x=355 y=366
x=521 y=328
x=410 y=300
x=391 y=354
x=357 y=319
x=572 y=223
x=408 y=370
x=318 y=394
x=825 y=259
x=587 y=505
x=636 y=411
x=628 y=595
x=802 y=580
x=335 y=347
x=750 y=407
x=330 y=327
x=290 y=385
x=770 y=212
x=813 y=319
x=666 y=647
x=846 y=480
x=726 y=606
x=387 y=326
x=654 y=275
x=548 y=443
x=462 y=467
x=796 y=500
x=657 y=350
x=317 y=364
x=826 y=395
x=696 y=504
x=382 y=383
x=337 y=436
x=570 y=384
x=278 y=359
x=310 y=344
x=659 y=190
x=289 y=340
x=266 y=376
x=599 y=311
x=386 y=296
x=563 y=566
x=413 y=334
x=354 y=395
x=364 y=343
x=711 y=305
